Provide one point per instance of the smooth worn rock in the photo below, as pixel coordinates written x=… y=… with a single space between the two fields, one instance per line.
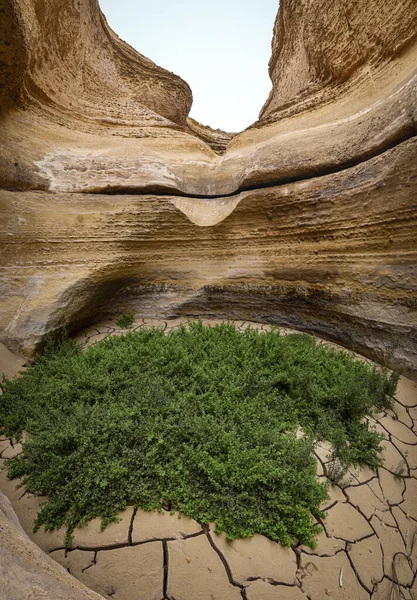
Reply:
x=27 y=507
x=26 y=572
x=112 y=200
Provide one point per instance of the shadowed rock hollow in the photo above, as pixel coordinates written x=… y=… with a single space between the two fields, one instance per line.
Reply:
x=112 y=199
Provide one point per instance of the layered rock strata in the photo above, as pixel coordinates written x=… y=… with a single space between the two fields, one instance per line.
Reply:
x=112 y=200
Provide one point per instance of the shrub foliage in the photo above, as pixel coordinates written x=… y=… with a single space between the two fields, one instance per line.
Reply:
x=206 y=420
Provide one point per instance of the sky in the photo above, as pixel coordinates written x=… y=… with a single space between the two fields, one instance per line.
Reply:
x=221 y=48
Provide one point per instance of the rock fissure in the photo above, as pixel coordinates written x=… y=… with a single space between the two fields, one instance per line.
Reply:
x=164 y=192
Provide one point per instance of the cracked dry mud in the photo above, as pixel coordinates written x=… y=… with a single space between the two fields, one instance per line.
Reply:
x=367 y=549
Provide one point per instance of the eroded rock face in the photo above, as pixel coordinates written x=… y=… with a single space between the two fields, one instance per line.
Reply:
x=26 y=572
x=113 y=200
x=323 y=49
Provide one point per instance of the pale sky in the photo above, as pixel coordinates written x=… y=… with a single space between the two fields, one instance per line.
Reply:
x=220 y=47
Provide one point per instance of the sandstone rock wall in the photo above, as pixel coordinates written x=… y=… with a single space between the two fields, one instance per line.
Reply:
x=112 y=199
x=26 y=572
x=322 y=48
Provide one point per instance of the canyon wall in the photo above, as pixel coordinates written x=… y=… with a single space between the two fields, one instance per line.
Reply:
x=113 y=200
x=26 y=572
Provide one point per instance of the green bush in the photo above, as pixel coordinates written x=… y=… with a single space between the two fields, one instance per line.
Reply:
x=205 y=420
x=125 y=321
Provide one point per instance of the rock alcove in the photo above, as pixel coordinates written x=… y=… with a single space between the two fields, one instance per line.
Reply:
x=113 y=200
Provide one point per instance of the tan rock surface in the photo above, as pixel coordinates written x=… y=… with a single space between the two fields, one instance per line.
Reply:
x=112 y=199
x=245 y=269
x=26 y=572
